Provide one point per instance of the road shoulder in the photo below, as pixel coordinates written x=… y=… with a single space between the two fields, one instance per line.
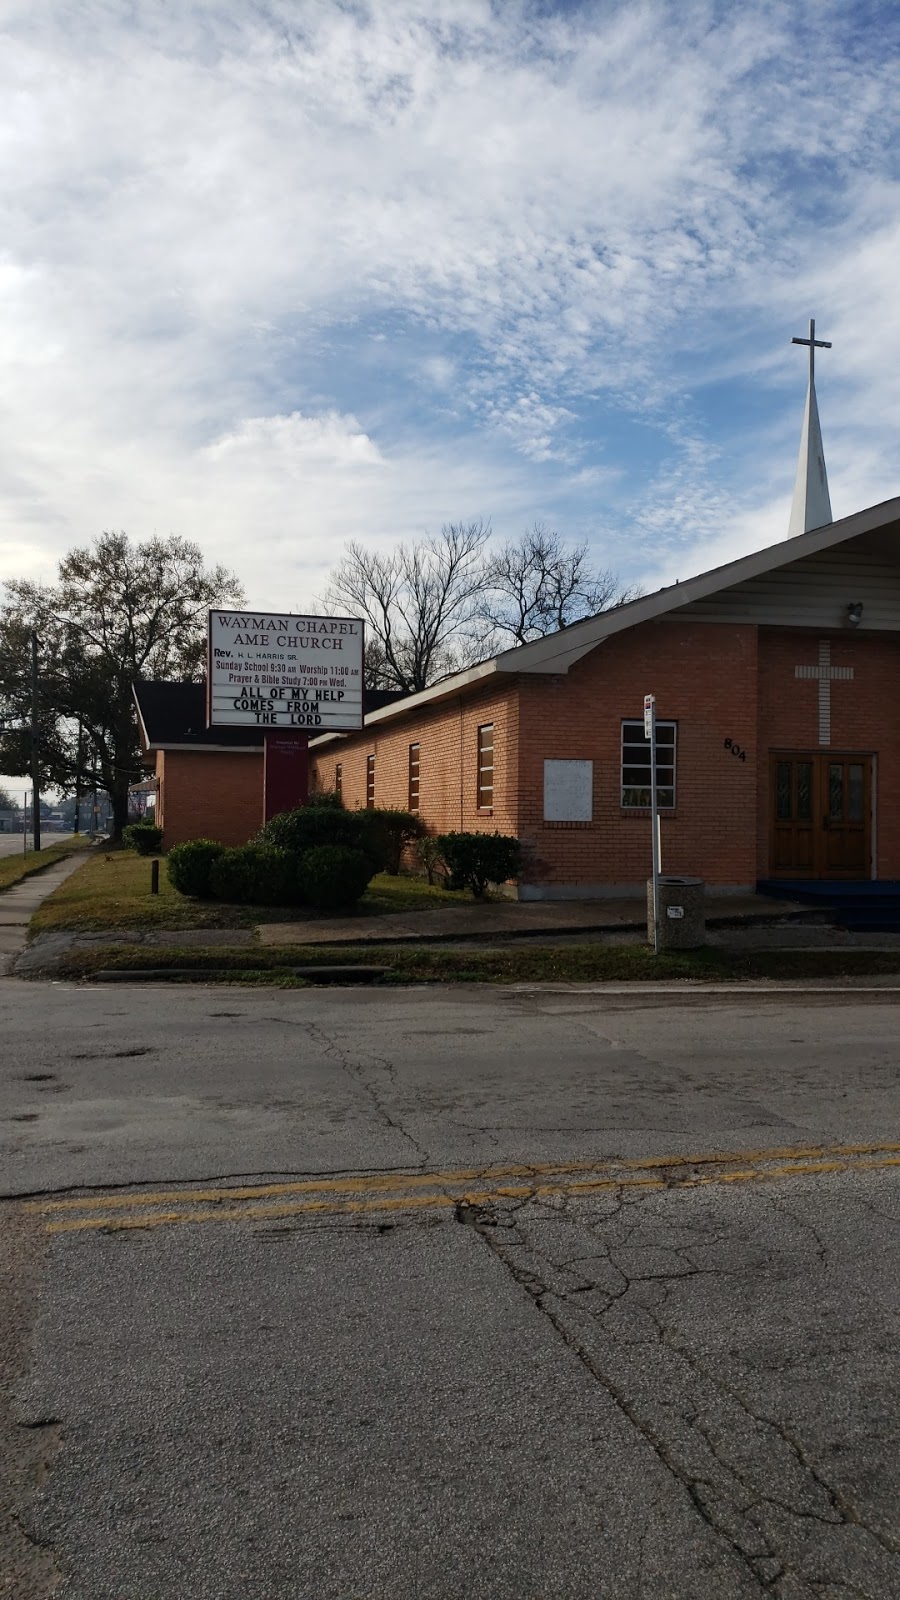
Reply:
x=27 y=1444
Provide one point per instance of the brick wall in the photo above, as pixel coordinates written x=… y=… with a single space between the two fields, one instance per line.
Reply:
x=719 y=682
x=704 y=678
x=447 y=735
x=209 y=795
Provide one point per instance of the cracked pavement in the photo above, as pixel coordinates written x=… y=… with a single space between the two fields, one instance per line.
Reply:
x=349 y=1295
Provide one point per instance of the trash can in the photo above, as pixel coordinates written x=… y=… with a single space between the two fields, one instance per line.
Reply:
x=682 y=916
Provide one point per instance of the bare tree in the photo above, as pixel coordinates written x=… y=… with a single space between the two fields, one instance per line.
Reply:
x=418 y=603
x=536 y=585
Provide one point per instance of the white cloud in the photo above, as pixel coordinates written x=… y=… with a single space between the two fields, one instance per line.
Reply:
x=228 y=232
x=295 y=442
x=533 y=426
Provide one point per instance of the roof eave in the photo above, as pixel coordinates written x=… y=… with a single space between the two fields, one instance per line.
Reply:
x=559 y=651
x=142 y=726
x=459 y=683
x=197 y=748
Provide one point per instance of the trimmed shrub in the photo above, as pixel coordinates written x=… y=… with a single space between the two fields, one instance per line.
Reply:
x=189 y=866
x=232 y=873
x=334 y=875
x=256 y=873
x=276 y=877
x=144 y=837
x=390 y=830
x=476 y=859
x=314 y=825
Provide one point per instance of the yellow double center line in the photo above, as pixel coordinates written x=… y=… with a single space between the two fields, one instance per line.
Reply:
x=420 y=1191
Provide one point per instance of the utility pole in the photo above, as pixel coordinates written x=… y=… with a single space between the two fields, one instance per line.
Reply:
x=35 y=738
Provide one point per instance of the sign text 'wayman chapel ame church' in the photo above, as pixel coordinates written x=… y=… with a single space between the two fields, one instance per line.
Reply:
x=270 y=670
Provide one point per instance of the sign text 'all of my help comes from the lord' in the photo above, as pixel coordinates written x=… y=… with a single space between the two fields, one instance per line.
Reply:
x=271 y=670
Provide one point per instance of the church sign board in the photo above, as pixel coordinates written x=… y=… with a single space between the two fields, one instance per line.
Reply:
x=273 y=670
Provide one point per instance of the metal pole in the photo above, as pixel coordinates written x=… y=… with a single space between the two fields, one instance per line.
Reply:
x=25 y=823
x=35 y=735
x=79 y=756
x=654 y=812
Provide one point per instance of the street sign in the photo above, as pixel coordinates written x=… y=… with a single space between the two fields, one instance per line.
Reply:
x=649 y=708
x=650 y=733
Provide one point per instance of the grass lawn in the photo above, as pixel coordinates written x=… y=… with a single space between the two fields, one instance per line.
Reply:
x=525 y=964
x=14 y=868
x=112 y=891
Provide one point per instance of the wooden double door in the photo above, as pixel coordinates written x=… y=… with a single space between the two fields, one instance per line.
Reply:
x=820 y=815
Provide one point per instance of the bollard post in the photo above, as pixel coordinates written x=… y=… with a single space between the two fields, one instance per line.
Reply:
x=154 y=877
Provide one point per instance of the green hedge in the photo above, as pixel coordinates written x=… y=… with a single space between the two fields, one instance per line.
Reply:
x=334 y=876
x=189 y=866
x=255 y=873
x=144 y=837
x=476 y=859
x=314 y=825
x=390 y=830
x=319 y=853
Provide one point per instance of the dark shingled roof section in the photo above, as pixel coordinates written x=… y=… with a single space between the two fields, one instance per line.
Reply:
x=175 y=713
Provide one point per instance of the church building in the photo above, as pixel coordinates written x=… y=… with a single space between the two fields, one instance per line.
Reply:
x=777 y=685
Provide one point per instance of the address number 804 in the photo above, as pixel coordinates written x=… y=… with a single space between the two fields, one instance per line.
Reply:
x=736 y=749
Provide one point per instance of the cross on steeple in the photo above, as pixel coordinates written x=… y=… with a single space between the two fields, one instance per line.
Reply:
x=814 y=345
x=811 y=506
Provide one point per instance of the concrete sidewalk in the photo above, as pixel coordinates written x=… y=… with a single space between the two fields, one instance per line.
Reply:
x=513 y=919
x=19 y=903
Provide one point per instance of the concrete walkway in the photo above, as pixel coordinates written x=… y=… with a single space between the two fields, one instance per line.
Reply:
x=511 y=919
x=18 y=904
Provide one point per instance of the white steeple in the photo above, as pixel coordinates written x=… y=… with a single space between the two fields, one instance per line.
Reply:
x=811 y=505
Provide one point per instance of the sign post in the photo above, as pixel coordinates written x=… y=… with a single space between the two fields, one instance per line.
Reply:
x=650 y=733
x=293 y=677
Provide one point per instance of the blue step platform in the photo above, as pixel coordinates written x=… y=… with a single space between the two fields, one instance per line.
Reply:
x=860 y=907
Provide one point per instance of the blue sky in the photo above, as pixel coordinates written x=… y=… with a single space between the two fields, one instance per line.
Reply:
x=279 y=275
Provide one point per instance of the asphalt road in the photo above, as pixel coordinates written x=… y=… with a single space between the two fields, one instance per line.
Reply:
x=11 y=843
x=341 y=1295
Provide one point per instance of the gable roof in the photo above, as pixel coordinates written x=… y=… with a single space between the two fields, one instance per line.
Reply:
x=557 y=652
x=175 y=714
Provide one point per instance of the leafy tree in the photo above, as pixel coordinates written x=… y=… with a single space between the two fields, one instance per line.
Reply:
x=119 y=611
x=536 y=585
x=7 y=803
x=418 y=603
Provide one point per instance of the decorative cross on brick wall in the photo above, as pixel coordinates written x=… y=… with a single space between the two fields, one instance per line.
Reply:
x=826 y=675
